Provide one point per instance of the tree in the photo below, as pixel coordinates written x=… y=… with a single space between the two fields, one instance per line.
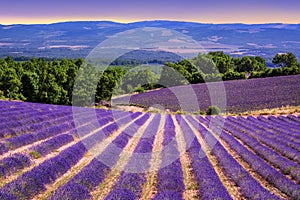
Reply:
x=205 y=64
x=233 y=75
x=10 y=84
x=171 y=77
x=71 y=73
x=185 y=68
x=285 y=60
x=250 y=63
x=30 y=86
x=108 y=83
x=85 y=86
x=222 y=61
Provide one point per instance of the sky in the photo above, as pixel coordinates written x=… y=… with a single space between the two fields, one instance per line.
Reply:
x=209 y=11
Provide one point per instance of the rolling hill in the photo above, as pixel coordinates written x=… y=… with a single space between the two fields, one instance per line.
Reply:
x=77 y=39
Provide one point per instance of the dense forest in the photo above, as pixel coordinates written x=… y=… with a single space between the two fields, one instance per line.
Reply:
x=46 y=81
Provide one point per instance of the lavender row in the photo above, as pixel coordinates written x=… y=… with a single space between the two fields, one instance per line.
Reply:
x=289 y=120
x=24 y=108
x=262 y=168
x=52 y=144
x=170 y=183
x=82 y=183
x=13 y=163
x=289 y=135
x=93 y=139
x=8 y=117
x=36 y=123
x=271 y=125
x=293 y=126
x=91 y=175
x=210 y=186
x=262 y=137
x=19 y=128
x=15 y=111
x=284 y=139
x=284 y=164
x=274 y=123
x=34 y=114
x=111 y=154
x=23 y=115
x=129 y=185
x=23 y=105
x=94 y=173
x=25 y=139
x=294 y=118
x=33 y=182
x=278 y=126
x=250 y=187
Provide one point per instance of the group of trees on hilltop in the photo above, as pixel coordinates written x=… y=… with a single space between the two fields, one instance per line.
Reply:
x=217 y=66
x=39 y=80
x=285 y=60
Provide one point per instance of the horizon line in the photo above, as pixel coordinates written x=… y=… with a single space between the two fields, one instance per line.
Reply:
x=136 y=21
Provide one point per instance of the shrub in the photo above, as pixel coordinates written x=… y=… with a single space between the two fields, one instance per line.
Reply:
x=200 y=112
x=35 y=154
x=213 y=110
x=140 y=90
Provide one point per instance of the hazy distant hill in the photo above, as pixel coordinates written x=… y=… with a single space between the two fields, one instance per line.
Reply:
x=77 y=39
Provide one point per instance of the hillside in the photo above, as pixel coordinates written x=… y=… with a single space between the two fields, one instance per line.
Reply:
x=237 y=96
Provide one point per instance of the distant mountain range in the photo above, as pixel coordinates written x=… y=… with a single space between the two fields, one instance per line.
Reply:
x=77 y=39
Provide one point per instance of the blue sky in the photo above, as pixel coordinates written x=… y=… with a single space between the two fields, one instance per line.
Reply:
x=210 y=11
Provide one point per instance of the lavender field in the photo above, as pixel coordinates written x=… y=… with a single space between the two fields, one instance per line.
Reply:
x=43 y=157
x=240 y=95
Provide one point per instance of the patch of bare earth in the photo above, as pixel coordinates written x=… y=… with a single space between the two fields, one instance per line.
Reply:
x=131 y=108
x=149 y=188
x=285 y=110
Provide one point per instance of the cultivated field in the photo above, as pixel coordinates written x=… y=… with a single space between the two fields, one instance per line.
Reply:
x=43 y=155
x=240 y=95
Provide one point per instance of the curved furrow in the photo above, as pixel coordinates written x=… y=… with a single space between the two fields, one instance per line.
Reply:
x=170 y=183
x=33 y=182
x=289 y=137
x=249 y=186
x=260 y=167
x=88 y=161
x=130 y=182
x=285 y=165
x=284 y=150
x=94 y=173
x=208 y=183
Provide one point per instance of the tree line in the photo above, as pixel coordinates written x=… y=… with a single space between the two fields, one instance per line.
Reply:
x=52 y=81
x=218 y=66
